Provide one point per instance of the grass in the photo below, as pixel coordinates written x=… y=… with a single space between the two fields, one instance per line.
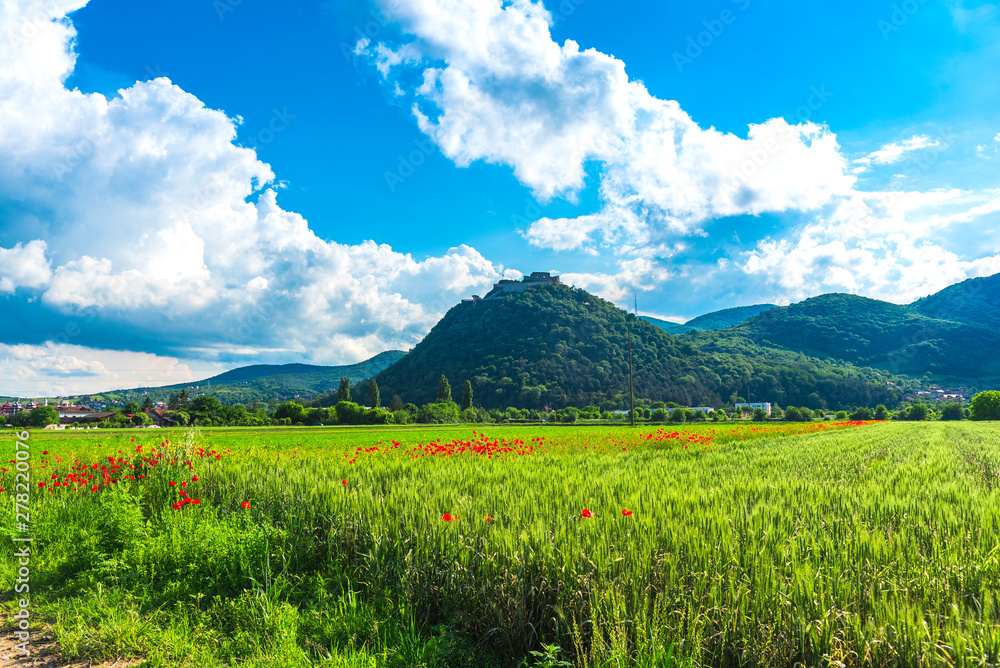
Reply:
x=758 y=545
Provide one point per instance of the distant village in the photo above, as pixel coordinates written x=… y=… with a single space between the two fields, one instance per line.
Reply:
x=85 y=414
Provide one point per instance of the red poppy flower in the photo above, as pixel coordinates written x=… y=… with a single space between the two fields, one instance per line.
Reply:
x=449 y=518
x=45 y=452
x=626 y=513
x=489 y=519
x=343 y=482
x=245 y=505
x=586 y=513
x=94 y=488
x=194 y=478
x=172 y=483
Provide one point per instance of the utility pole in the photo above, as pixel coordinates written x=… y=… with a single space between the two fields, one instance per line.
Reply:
x=631 y=394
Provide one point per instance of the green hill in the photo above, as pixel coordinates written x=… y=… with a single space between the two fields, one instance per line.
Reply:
x=264 y=382
x=727 y=317
x=715 y=320
x=973 y=302
x=875 y=333
x=548 y=347
x=667 y=326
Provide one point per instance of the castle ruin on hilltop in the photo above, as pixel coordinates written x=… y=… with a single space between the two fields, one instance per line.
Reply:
x=536 y=279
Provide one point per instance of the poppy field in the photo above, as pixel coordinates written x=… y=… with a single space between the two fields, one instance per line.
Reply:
x=730 y=544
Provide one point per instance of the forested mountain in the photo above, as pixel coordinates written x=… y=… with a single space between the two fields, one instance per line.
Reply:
x=263 y=382
x=667 y=326
x=710 y=321
x=557 y=346
x=974 y=302
x=727 y=317
x=876 y=333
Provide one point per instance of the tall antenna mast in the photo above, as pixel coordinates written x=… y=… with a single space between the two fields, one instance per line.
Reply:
x=636 y=298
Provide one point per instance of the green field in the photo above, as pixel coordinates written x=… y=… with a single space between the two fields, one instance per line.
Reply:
x=758 y=545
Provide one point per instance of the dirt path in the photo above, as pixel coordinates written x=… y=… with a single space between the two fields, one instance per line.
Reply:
x=43 y=654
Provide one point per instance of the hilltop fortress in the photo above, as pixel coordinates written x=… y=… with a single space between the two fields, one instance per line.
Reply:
x=536 y=279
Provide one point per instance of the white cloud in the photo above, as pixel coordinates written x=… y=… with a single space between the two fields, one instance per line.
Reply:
x=496 y=87
x=894 y=152
x=24 y=266
x=62 y=369
x=141 y=207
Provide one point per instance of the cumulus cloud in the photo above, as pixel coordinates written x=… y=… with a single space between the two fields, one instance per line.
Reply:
x=142 y=208
x=24 y=266
x=54 y=369
x=493 y=86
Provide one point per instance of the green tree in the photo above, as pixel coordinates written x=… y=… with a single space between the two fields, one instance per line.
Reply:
x=140 y=419
x=986 y=405
x=21 y=419
x=291 y=410
x=759 y=415
x=444 y=390
x=467 y=395
x=43 y=415
x=793 y=414
x=207 y=410
x=147 y=404
x=917 y=412
x=841 y=415
x=862 y=413
x=181 y=417
x=179 y=401
x=374 y=400
x=349 y=412
x=344 y=391
x=659 y=415
x=952 y=411
x=442 y=412
x=131 y=408
x=881 y=412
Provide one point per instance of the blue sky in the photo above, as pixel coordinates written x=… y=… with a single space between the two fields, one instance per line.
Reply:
x=203 y=184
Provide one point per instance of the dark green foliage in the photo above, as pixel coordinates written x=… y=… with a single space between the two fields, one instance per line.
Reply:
x=444 y=390
x=667 y=326
x=952 y=411
x=344 y=391
x=917 y=413
x=438 y=413
x=291 y=410
x=986 y=406
x=396 y=404
x=727 y=317
x=974 y=302
x=793 y=414
x=863 y=413
x=349 y=412
x=759 y=415
x=547 y=347
x=875 y=333
x=467 y=395
x=42 y=416
x=374 y=400
x=881 y=413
